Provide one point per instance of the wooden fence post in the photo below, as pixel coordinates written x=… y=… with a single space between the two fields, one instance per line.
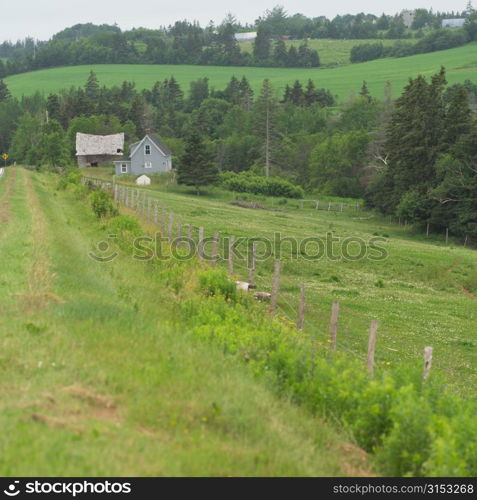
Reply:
x=447 y=236
x=371 y=347
x=215 y=248
x=156 y=213
x=427 y=230
x=179 y=232
x=252 y=263
x=427 y=362
x=144 y=196
x=201 y=243
x=276 y=285
x=230 y=256
x=301 y=309
x=465 y=241
x=171 y=225
x=334 y=324
x=149 y=208
x=329 y=206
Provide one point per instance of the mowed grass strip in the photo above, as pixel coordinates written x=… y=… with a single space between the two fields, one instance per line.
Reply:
x=460 y=63
x=416 y=293
x=103 y=383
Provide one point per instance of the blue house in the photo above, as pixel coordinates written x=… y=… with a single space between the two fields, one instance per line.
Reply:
x=148 y=156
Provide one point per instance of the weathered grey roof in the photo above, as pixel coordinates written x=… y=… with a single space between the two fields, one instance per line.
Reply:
x=155 y=139
x=87 y=144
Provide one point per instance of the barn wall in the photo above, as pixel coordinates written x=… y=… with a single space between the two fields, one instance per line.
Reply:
x=85 y=161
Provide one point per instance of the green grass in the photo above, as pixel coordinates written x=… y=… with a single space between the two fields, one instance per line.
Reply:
x=416 y=293
x=97 y=379
x=461 y=64
x=332 y=52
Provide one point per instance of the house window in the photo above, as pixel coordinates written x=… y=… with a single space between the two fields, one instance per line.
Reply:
x=147 y=149
x=124 y=168
x=148 y=164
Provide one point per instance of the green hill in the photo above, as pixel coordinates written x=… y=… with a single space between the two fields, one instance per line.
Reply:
x=461 y=64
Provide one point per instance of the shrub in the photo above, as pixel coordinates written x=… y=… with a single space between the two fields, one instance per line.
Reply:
x=246 y=182
x=215 y=282
x=102 y=204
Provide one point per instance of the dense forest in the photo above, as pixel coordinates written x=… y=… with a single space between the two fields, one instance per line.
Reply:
x=415 y=157
x=189 y=43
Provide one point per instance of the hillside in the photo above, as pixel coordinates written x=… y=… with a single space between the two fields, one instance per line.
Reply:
x=98 y=379
x=333 y=52
x=461 y=64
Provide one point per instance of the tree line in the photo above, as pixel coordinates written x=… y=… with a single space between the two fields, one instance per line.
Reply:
x=189 y=43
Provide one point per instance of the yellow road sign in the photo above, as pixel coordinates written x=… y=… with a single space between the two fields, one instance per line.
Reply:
x=4 y=156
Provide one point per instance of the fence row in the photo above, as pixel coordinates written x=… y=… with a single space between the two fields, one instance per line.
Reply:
x=173 y=229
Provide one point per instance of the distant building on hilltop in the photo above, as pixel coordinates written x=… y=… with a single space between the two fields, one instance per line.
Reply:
x=453 y=23
x=95 y=150
x=246 y=37
x=148 y=156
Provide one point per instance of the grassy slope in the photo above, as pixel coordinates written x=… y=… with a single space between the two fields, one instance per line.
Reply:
x=461 y=64
x=95 y=380
x=419 y=302
x=332 y=52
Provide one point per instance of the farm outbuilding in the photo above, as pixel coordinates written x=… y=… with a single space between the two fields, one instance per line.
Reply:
x=95 y=150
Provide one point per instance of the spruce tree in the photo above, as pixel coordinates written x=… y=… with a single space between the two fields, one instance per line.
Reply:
x=4 y=92
x=196 y=167
x=280 y=54
x=364 y=92
x=311 y=94
x=262 y=46
x=297 y=96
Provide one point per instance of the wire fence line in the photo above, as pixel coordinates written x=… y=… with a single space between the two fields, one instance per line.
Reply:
x=173 y=228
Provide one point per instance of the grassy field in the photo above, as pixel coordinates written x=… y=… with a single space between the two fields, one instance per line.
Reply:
x=416 y=293
x=461 y=64
x=332 y=52
x=98 y=380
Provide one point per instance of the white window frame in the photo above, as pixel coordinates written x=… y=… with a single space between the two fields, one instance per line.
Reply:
x=124 y=168
x=148 y=164
x=147 y=149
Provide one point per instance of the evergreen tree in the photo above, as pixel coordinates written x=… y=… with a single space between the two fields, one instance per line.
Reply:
x=232 y=91
x=280 y=54
x=4 y=92
x=53 y=107
x=262 y=46
x=246 y=94
x=458 y=120
x=91 y=87
x=196 y=167
x=364 y=92
x=287 y=94
x=292 y=59
x=297 y=97
x=311 y=94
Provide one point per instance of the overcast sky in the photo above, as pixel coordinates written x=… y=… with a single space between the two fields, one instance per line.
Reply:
x=40 y=19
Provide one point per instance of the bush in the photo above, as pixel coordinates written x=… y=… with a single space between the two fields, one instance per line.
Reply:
x=366 y=52
x=102 y=204
x=246 y=182
x=412 y=429
x=215 y=282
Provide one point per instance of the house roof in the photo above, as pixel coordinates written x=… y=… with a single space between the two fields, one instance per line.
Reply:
x=155 y=140
x=88 y=144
